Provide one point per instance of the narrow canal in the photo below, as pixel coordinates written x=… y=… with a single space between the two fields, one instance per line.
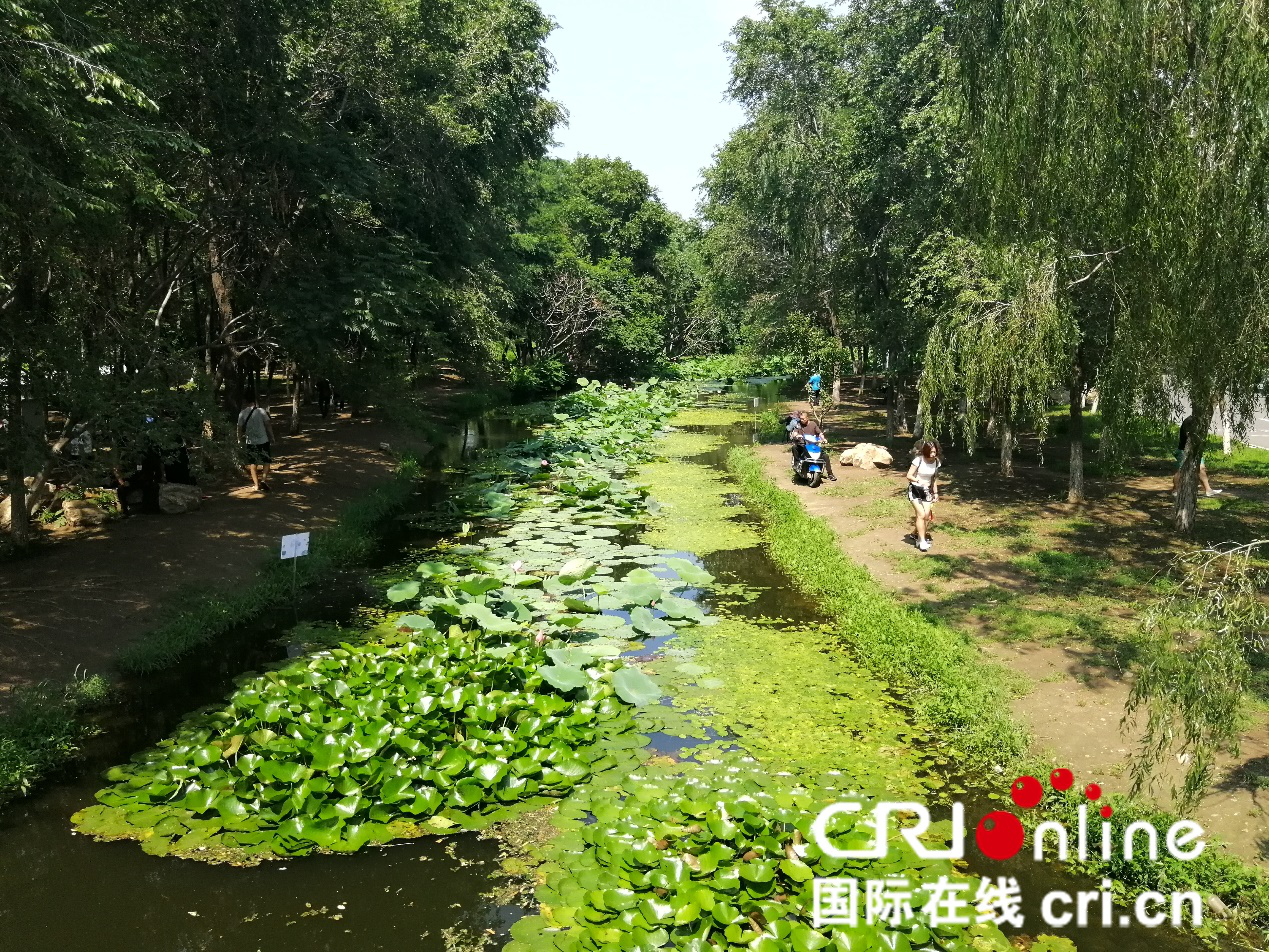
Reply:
x=768 y=676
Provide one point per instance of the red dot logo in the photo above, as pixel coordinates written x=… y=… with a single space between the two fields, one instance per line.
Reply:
x=999 y=835
x=1093 y=792
x=1061 y=779
x=1107 y=812
x=1026 y=792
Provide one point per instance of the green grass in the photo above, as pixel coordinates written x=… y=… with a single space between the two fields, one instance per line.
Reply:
x=951 y=688
x=347 y=544
x=44 y=730
x=849 y=489
x=887 y=508
x=1241 y=886
x=1014 y=537
x=1072 y=570
x=931 y=565
x=1244 y=461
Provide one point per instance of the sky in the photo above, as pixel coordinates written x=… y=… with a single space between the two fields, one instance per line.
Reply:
x=645 y=81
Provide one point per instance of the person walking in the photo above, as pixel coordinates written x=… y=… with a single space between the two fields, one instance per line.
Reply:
x=923 y=489
x=1188 y=435
x=255 y=432
x=325 y=393
x=813 y=385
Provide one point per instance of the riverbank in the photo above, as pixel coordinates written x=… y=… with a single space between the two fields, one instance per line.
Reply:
x=515 y=670
x=134 y=597
x=1048 y=590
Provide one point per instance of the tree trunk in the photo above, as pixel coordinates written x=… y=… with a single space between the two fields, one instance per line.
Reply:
x=1227 y=431
x=1187 y=484
x=892 y=395
x=863 y=370
x=837 y=344
x=1005 y=426
x=227 y=371
x=1075 y=486
x=295 y=401
x=19 y=518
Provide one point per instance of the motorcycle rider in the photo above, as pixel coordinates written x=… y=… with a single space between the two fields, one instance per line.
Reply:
x=808 y=427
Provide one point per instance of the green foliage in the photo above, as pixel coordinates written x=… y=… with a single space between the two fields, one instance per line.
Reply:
x=736 y=366
x=497 y=686
x=1128 y=181
x=275 y=211
x=1194 y=666
x=770 y=429
x=610 y=279
x=719 y=855
x=1243 y=888
x=849 y=159
x=43 y=730
x=359 y=744
x=999 y=340
x=951 y=688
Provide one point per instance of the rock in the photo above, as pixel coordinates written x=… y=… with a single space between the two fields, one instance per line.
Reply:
x=36 y=499
x=83 y=512
x=175 y=498
x=867 y=456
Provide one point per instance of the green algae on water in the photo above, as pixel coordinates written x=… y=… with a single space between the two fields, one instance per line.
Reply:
x=797 y=702
x=710 y=416
x=694 y=515
x=680 y=444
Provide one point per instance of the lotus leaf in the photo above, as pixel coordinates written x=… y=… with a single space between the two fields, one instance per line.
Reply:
x=403 y=591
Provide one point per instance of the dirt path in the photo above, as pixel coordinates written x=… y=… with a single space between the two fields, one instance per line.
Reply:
x=1047 y=589
x=74 y=604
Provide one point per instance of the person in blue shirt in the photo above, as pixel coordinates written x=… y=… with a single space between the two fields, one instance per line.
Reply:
x=813 y=385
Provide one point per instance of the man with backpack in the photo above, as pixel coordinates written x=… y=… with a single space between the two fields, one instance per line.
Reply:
x=255 y=432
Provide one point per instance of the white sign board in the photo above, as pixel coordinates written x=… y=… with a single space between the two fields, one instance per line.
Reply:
x=294 y=546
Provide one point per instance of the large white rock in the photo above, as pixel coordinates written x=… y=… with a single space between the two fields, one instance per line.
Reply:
x=175 y=498
x=83 y=512
x=867 y=456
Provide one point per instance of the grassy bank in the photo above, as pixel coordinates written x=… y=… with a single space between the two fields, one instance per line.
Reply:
x=955 y=691
x=49 y=723
x=936 y=668
x=45 y=728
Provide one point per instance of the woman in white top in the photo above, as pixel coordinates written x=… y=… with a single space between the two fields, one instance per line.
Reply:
x=923 y=489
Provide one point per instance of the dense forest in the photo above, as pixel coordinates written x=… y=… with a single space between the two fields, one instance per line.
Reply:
x=195 y=198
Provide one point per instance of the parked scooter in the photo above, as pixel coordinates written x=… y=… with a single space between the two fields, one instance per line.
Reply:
x=808 y=465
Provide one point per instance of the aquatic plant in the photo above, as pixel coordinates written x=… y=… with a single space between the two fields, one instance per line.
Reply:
x=702 y=857
x=951 y=688
x=362 y=743
x=496 y=697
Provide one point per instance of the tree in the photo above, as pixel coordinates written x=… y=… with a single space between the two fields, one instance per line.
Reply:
x=1141 y=128
x=1000 y=341
x=195 y=194
x=611 y=281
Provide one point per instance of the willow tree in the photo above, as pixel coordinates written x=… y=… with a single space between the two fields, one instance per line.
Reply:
x=1142 y=127
x=777 y=194
x=999 y=343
